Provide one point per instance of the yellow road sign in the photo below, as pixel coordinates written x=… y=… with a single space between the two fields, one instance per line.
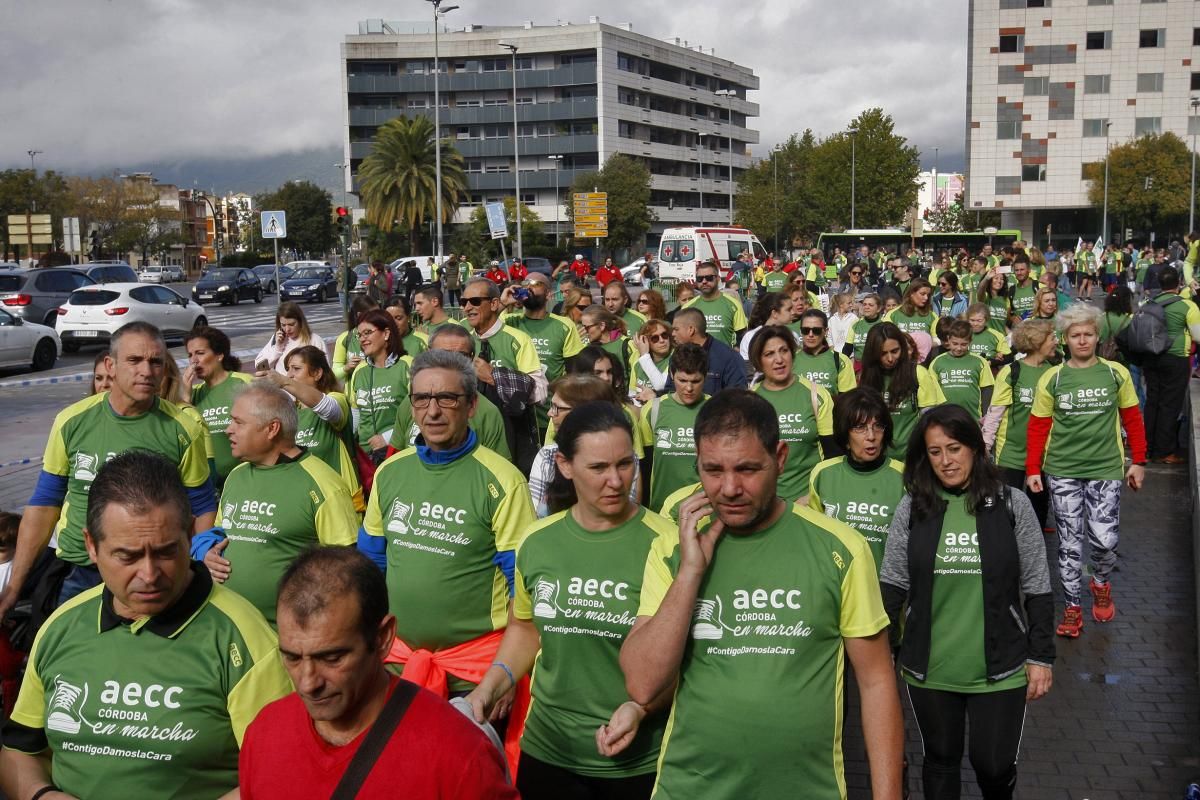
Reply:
x=599 y=234
x=590 y=196
x=591 y=218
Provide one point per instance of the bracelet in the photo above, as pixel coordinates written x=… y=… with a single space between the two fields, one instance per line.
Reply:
x=45 y=790
x=512 y=681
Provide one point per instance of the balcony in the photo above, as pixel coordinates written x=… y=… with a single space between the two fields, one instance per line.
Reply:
x=582 y=108
x=571 y=75
x=485 y=148
x=542 y=179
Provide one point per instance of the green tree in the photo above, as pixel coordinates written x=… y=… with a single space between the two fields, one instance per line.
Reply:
x=474 y=239
x=1148 y=181
x=129 y=215
x=21 y=191
x=309 y=210
x=773 y=194
x=398 y=179
x=949 y=217
x=627 y=181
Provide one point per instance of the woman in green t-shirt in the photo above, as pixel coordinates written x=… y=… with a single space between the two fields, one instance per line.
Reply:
x=805 y=409
x=347 y=352
x=212 y=380
x=649 y=378
x=964 y=555
x=576 y=592
x=890 y=367
x=1007 y=418
x=872 y=314
x=377 y=386
x=916 y=309
x=607 y=331
x=993 y=293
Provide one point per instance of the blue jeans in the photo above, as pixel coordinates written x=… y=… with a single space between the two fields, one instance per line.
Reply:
x=79 y=580
x=1135 y=372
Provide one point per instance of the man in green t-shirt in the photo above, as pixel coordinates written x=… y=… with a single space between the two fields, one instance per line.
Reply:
x=278 y=502
x=776 y=279
x=751 y=617
x=88 y=433
x=444 y=521
x=427 y=305
x=1024 y=290
x=143 y=686
x=1168 y=374
x=724 y=316
x=666 y=425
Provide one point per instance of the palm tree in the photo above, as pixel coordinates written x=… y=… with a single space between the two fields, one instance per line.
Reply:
x=398 y=180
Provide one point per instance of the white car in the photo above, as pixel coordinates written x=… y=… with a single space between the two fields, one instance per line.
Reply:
x=400 y=264
x=92 y=314
x=632 y=274
x=27 y=344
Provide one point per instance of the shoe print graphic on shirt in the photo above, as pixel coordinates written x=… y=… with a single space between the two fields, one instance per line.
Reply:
x=545 y=597
x=85 y=466
x=706 y=619
x=66 y=707
x=398 y=520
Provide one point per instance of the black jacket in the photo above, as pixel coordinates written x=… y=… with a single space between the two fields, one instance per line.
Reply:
x=1009 y=641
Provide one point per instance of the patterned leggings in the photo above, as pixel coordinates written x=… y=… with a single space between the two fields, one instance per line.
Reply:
x=1090 y=508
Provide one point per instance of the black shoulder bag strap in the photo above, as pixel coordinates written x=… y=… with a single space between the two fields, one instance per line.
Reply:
x=376 y=739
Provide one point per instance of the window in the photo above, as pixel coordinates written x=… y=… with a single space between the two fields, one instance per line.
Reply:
x=1099 y=40
x=1037 y=86
x=1012 y=43
x=524 y=62
x=417 y=102
x=495 y=101
x=1093 y=128
x=1145 y=125
x=462 y=133
x=495 y=65
x=495 y=132
x=1195 y=86
x=625 y=130
x=498 y=168
x=472 y=102
x=1193 y=125
x=1100 y=2
x=1154 y=37
x=1036 y=3
x=1008 y=129
x=1154 y=1
x=529 y=199
x=1150 y=82
x=1033 y=172
x=1195 y=37
x=1095 y=84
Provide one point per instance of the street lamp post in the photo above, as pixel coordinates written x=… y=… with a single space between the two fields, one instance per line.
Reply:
x=1104 y=218
x=729 y=94
x=33 y=154
x=512 y=48
x=853 y=176
x=775 y=190
x=1192 y=205
x=557 y=201
x=700 y=149
x=438 y=11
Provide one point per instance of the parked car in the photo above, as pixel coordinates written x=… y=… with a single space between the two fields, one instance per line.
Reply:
x=228 y=286
x=111 y=273
x=92 y=314
x=632 y=274
x=314 y=284
x=27 y=343
x=160 y=273
x=266 y=275
x=362 y=273
x=34 y=295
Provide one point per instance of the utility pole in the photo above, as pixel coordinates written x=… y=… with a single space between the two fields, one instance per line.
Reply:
x=518 y=250
x=557 y=200
x=853 y=160
x=33 y=154
x=729 y=94
x=1104 y=219
x=700 y=149
x=438 y=11
x=1195 y=102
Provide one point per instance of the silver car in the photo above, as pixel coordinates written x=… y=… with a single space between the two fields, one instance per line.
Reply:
x=34 y=295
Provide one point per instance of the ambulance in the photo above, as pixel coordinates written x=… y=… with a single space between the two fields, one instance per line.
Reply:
x=681 y=249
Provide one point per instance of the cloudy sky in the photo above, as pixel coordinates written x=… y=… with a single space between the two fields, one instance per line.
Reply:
x=118 y=84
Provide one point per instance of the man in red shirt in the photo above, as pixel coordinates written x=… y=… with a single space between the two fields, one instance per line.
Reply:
x=582 y=268
x=334 y=631
x=607 y=273
x=496 y=274
x=518 y=271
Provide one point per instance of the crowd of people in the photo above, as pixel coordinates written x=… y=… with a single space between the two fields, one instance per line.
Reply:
x=591 y=548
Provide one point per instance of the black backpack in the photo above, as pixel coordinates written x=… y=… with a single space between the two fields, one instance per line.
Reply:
x=1146 y=333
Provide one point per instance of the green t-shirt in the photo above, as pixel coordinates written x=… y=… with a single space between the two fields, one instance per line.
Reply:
x=957 y=657
x=863 y=499
x=332 y=444
x=487 y=423
x=858 y=334
x=375 y=392
x=214 y=404
x=998 y=314
x=581 y=590
x=669 y=431
x=912 y=323
x=554 y=338
x=1017 y=399
x=86 y=434
x=634 y=320
x=415 y=343
x=273 y=514
x=510 y=348
x=963 y=379
x=830 y=370
x=723 y=316
x=1085 y=431
x=989 y=343
x=152 y=708
x=1022 y=300
x=1180 y=314
x=444 y=525
x=801 y=426
x=764 y=662
x=775 y=281
x=640 y=381
x=906 y=413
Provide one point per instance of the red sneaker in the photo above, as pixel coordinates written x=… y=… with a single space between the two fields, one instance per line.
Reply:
x=1103 y=608
x=1072 y=624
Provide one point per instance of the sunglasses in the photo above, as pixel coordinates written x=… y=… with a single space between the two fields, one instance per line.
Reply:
x=706 y=278
x=475 y=301
x=856 y=273
x=642 y=301
x=660 y=337
x=812 y=331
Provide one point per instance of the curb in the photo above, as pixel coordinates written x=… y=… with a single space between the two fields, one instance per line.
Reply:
x=87 y=376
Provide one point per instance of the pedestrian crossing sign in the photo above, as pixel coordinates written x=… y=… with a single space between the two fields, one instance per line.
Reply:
x=274 y=225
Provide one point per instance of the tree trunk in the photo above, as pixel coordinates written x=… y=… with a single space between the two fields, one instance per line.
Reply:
x=414 y=234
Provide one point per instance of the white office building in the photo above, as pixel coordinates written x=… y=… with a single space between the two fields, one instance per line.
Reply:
x=584 y=92
x=1051 y=84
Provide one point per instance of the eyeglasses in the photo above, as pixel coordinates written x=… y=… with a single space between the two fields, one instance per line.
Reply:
x=873 y=427
x=367 y=333
x=444 y=399
x=942 y=284
x=556 y=409
x=856 y=273
x=812 y=331
x=706 y=279
x=642 y=301
x=659 y=337
x=475 y=301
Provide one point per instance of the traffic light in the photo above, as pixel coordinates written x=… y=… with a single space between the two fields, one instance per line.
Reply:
x=343 y=222
x=94 y=249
